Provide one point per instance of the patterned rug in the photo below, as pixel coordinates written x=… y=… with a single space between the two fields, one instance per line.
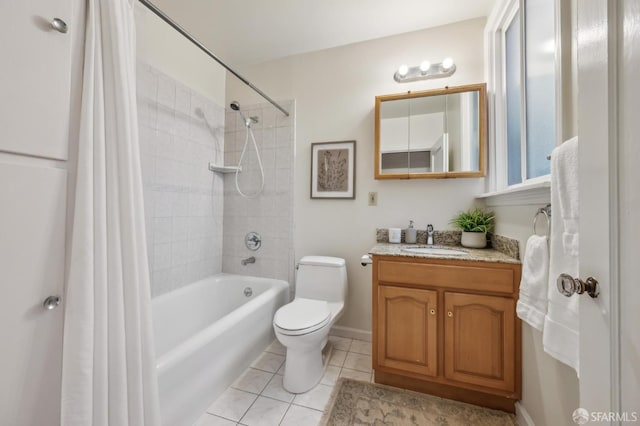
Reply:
x=361 y=403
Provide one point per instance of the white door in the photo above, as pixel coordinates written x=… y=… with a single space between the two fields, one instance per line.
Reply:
x=608 y=91
x=629 y=210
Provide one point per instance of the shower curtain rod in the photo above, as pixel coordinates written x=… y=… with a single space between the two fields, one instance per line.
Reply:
x=209 y=53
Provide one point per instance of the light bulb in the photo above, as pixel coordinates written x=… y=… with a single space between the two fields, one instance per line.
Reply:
x=403 y=70
x=424 y=66
x=447 y=63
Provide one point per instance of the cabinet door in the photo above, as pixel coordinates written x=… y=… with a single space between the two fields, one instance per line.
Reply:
x=32 y=258
x=479 y=339
x=36 y=72
x=407 y=327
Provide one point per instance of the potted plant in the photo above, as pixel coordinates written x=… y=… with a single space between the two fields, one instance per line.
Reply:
x=474 y=223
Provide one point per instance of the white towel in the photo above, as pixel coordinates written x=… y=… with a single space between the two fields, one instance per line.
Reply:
x=560 y=334
x=532 y=303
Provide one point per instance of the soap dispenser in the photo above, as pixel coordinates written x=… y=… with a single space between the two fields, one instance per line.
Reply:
x=410 y=234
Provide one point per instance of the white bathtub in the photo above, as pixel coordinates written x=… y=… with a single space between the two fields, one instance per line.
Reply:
x=206 y=334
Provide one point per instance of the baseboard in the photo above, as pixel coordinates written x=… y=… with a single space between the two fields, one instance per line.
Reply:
x=522 y=415
x=352 y=333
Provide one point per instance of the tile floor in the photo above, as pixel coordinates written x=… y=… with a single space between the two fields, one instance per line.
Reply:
x=257 y=397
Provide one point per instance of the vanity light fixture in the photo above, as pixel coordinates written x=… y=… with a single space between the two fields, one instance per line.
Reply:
x=424 y=71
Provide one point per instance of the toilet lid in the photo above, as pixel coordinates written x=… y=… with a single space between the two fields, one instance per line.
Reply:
x=302 y=314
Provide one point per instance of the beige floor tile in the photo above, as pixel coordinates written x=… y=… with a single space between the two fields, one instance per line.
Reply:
x=275 y=390
x=317 y=398
x=340 y=343
x=331 y=374
x=358 y=362
x=337 y=358
x=301 y=416
x=265 y=412
x=253 y=380
x=268 y=362
x=354 y=374
x=276 y=348
x=361 y=347
x=232 y=404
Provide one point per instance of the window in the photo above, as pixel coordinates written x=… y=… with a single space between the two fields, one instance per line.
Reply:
x=540 y=71
x=513 y=100
x=522 y=60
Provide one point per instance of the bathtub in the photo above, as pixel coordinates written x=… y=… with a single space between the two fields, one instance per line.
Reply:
x=206 y=334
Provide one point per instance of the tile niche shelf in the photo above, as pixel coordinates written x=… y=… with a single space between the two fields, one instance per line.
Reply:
x=224 y=169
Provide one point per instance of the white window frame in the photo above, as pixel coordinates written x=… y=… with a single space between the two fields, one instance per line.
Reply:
x=534 y=190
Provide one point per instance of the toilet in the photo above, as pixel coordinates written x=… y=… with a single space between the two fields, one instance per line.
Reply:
x=303 y=325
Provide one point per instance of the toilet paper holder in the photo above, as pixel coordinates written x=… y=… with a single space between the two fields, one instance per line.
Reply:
x=365 y=260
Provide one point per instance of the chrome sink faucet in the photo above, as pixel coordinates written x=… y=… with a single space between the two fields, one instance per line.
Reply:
x=429 y=234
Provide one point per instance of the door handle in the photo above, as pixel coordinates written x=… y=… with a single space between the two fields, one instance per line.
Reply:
x=51 y=302
x=567 y=286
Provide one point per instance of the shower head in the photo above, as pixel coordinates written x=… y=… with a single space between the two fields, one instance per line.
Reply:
x=235 y=105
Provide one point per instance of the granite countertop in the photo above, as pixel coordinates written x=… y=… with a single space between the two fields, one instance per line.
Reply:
x=474 y=255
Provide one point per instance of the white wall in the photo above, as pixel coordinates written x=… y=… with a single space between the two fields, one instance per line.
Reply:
x=549 y=388
x=165 y=49
x=335 y=91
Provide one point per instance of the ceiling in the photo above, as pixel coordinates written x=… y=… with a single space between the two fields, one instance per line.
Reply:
x=243 y=32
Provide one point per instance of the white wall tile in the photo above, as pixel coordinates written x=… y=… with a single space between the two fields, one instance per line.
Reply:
x=162 y=228
x=179 y=276
x=166 y=91
x=179 y=229
x=161 y=203
x=161 y=256
x=197 y=221
x=179 y=253
x=269 y=117
x=183 y=100
x=181 y=132
x=270 y=214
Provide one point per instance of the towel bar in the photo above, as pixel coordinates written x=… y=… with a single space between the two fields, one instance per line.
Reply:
x=546 y=211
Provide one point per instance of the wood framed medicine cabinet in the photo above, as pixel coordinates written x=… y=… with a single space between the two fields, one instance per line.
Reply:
x=438 y=133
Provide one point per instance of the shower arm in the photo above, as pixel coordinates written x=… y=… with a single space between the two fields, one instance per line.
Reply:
x=160 y=14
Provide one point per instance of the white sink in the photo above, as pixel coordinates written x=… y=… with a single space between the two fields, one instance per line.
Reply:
x=433 y=250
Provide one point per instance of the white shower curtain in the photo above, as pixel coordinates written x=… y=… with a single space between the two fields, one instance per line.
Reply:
x=108 y=375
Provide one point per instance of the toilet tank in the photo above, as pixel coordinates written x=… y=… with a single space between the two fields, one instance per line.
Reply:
x=322 y=278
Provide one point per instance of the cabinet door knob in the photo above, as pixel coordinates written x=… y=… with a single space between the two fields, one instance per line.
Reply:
x=432 y=311
x=59 y=25
x=450 y=314
x=51 y=302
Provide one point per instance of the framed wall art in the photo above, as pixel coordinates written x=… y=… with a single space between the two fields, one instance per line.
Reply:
x=333 y=170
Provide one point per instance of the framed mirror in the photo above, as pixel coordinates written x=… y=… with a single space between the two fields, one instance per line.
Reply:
x=431 y=134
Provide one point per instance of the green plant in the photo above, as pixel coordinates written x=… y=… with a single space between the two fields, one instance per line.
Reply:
x=474 y=220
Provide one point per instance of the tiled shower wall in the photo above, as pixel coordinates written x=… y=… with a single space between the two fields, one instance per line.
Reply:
x=270 y=213
x=180 y=132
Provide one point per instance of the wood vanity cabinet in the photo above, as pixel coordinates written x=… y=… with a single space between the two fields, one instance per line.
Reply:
x=448 y=328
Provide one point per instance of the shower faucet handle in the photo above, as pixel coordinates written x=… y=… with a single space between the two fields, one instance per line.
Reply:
x=253 y=241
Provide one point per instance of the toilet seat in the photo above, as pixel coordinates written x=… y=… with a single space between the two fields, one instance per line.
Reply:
x=302 y=316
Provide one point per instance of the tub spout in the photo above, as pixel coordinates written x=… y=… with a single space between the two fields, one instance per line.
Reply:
x=248 y=260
